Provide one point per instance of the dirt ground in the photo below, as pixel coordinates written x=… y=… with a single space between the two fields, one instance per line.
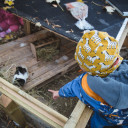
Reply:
x=62 y=105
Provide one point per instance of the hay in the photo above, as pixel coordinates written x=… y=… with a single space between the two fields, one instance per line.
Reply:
x=35 y=93
x=47 y=53
x=4 y=77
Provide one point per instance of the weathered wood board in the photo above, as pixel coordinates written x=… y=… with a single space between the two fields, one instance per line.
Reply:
x=14 y=54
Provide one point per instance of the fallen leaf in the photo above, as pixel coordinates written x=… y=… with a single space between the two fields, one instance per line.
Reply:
x=69 y=31
x=46 y=20
x=109 y=9
x=54 y=5
x=58 y=26
x=38 y=24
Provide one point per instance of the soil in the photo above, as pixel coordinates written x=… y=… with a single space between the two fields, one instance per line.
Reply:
x=62 y=105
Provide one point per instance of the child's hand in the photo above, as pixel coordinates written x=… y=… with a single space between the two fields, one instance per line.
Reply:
x=54 y=93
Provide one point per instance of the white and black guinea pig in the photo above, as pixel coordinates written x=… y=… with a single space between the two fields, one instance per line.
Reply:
x=20 y=76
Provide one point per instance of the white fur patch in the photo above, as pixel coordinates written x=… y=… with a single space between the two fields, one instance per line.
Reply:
x=21 y=76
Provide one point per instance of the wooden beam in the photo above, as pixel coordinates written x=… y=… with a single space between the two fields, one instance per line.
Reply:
x=61 y=68
x=126 y=42
x=85 y=116
x=27 y=27
x=27 y=39
x=77 y=115
x=122 y=33
x=32 y=105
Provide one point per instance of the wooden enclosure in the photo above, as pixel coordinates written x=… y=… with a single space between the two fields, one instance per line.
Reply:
x=40 y=72
x=14 y=54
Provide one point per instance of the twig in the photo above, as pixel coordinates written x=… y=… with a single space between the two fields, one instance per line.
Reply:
x=60 y=6
x=97 y=4
x=10 y=67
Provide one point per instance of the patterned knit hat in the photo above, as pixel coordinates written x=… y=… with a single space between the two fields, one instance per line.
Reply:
x=98 y=53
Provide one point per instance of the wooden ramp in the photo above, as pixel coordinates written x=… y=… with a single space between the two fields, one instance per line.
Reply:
x=18 y=52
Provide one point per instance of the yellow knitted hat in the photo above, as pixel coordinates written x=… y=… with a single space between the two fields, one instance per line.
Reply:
x=98 y=53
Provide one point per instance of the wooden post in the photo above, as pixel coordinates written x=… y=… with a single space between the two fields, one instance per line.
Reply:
x=122 y=33
x=13 y=111
x=126 y=41
x=27 y=28
x=82 y=122
x=79 y=117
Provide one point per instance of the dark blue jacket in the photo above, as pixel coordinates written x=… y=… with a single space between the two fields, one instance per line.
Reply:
x=113 y=89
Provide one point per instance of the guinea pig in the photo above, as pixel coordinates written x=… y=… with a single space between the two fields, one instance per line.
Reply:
x=20 y=76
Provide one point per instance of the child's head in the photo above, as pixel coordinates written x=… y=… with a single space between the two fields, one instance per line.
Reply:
x=98 y=53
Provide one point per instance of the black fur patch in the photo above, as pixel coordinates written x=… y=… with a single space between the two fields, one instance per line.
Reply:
x=21 y=70
x=19 y=82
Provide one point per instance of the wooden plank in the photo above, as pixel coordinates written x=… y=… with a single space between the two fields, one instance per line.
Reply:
x=85 y=116
x=16 y=54
x=30 y=38
x=12 y=49
x=122 y=33
x=32 y=105
x=41 y=71
x=126 y=42
x=33 y=49
x=75 y=115
x=28 y=61
x=49 y=74
x=27 y=27
x=46 y=67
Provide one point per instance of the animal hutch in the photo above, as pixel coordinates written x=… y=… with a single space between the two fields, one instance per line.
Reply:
x=23 y=51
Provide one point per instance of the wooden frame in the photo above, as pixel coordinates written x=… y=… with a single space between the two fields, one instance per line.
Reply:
x=32 y=105
x=80 y=114
x=12 y=55
x=34 y=47
x=27 y=28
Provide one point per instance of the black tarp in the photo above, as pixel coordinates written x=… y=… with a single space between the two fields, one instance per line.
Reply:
x=39 y=10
